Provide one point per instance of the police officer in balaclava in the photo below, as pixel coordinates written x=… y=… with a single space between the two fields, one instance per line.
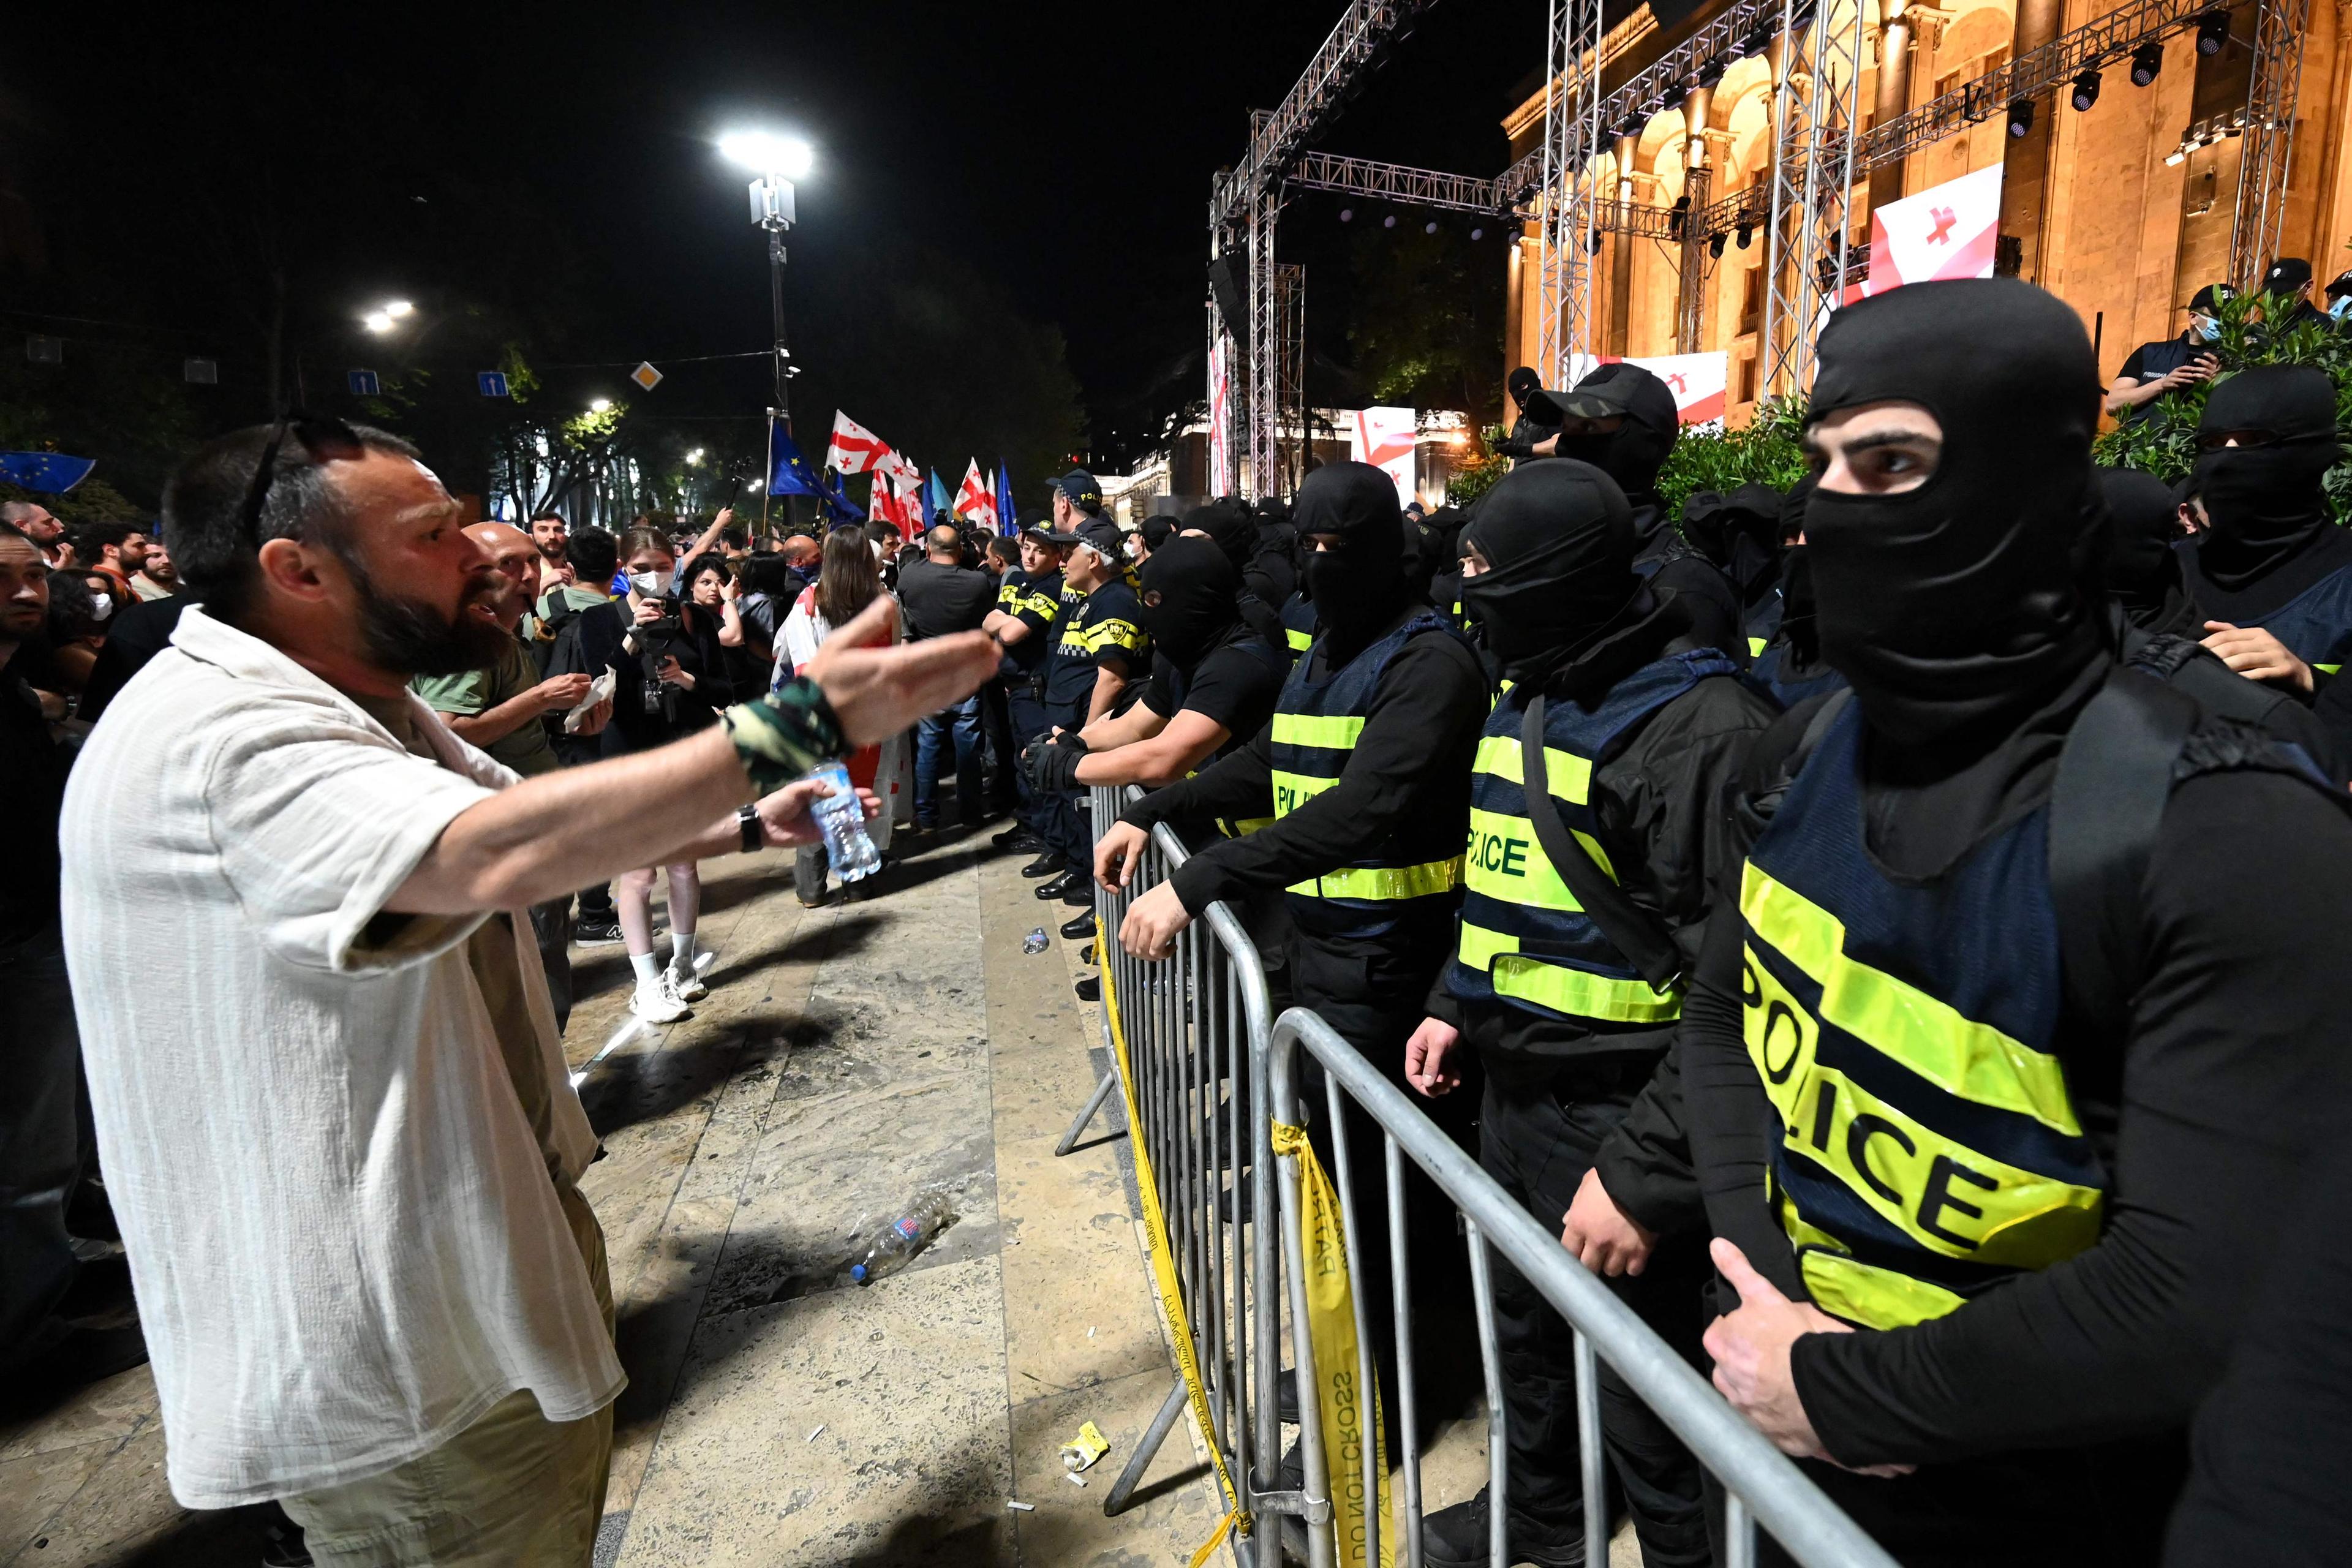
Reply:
x=2148 y=1066
x=1789 y=669
x=1636 y=727
x=1536 y=419
x=1229 y=526
x=2144 y=569
x=1365 y=771
x=1739 y=531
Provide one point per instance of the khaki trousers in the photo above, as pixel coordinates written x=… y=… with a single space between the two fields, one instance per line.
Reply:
x=512 y=1491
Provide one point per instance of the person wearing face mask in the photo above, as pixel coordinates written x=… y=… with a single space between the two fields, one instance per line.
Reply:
x=2019 y=1027
x=2274 y=571
x=1215 y=679
x=1538 y=418
x=1365 y=772
x=1099 y=649
x=1228 y=525
x=1569 y=999
x=2155 y=369
x=1621 y=419
x=1739 y=533
x=1789 y=669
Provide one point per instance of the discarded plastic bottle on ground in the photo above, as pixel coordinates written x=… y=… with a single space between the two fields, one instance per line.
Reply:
x=1034 y=942
x=843 y=821
x=902 y=1238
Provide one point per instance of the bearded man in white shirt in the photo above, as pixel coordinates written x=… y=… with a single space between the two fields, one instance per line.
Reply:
x=336 y=1127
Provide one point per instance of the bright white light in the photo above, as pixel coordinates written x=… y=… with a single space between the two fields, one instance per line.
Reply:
x=765 y=153
x=376 y=321
x=602 y=406
x=396 y=308
x=751 y=484
x=695 y=456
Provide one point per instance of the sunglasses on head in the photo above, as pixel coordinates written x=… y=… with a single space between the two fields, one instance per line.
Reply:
x=322 y=440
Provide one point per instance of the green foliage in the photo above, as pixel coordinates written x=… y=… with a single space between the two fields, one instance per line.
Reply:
x=1766 y=451
x=2162 y=439
x=1426 y=321
x=92 y=500
x=1477 y=472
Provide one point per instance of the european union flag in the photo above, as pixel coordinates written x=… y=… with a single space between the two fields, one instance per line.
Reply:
x=49 y=473
x=792 y=476
x=1004 y=518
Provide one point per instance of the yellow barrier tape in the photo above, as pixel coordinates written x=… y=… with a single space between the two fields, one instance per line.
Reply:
x=1331 y=1327
x=1163 y=1274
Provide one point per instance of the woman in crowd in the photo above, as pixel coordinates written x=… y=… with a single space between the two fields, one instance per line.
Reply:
x=672 y=679
x=847 y=583
x=81 y=603
x=706 y=593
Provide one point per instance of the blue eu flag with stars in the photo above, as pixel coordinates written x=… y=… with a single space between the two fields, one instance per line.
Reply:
x=48 y=473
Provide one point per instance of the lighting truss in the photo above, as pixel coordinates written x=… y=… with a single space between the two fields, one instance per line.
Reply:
x=1336 y=74
x=1812 y=186
x=2269 y=138
x=1567 y=226
x=1397 y=183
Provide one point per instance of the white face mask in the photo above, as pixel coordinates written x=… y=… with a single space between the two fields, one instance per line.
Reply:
x=651 y=584
x=100 y=606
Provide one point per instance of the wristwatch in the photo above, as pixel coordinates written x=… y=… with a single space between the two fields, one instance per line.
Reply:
x=748 y=823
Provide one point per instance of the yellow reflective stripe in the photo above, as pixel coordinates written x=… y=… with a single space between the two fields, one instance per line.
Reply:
x=1292 y=791
x=1756 y=647
x=1575 y=991
x=1945 y=1196
x=1299 y=641
x=1242 y=827
x=1506 y=862
x=1875 y=1297
x=1336 y=731
x=2330 y=668
x=1569 y=775
x=1384 y=881
x=1928 y=1036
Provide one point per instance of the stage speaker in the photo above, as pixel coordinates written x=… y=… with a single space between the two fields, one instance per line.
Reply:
x=1226 y=288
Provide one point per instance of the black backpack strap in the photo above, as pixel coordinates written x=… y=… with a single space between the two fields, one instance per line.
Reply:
x=1628 y=928
x=2114 y=774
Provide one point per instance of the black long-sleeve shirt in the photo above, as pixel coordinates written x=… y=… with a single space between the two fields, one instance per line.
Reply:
x=1411 y=762
x=2234 y=1068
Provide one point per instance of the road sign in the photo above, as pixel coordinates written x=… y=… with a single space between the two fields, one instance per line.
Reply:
x=363 y=384
x=645 y=376
x=493 y=383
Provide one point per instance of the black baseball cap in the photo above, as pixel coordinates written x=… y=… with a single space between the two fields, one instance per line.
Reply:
x=2208 y=301
x=1101 y=535
x=2340 y=284
x=1082 y=489
x=2286 y=275
x=1615 y=390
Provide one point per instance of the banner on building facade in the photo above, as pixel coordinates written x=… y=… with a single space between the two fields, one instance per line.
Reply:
x=1383 y=438
x=1944 y=232
x=1221 y=416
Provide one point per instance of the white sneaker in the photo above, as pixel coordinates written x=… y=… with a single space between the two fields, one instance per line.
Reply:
x=685 y=987
x=659 y=1003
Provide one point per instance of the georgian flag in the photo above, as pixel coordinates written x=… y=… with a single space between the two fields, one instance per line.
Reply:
x=902 y=476
x=975 y=500
x=1697 y=382
x=855 y=449
x=1945 y=232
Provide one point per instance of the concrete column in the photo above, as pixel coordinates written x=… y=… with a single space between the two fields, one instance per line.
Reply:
x=1894 y=94
x=2025 y=162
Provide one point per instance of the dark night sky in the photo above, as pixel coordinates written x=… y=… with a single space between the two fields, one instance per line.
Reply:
x=1063 y=152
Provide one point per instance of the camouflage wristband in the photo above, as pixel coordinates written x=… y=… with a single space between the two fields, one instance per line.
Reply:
x=783 y=735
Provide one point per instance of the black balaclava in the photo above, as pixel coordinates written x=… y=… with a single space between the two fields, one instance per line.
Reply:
x=1799 y=628
x=1358 y=586
x=2143 y=568
x=2265 y=502
x=1229 y=526
x=1189 y=599
x=1559 y=542
x=1634 y=452
x=1973 y=599
x=1523 y=382
x=1739 y=531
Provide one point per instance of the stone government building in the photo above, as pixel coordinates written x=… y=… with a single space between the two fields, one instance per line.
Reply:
x=2124 y=209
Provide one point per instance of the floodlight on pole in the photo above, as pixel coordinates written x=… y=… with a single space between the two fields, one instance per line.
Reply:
x=396 y=308
x=777 y=161
x=377 y=321
x=601 y=405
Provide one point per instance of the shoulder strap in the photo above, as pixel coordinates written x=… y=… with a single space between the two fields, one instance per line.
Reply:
x=2114 y=774
x=1628 y=928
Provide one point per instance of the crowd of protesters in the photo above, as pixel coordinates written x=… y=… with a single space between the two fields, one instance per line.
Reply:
x=1889 y=927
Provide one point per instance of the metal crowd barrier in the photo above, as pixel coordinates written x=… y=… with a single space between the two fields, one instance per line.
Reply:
x=1205 y=1068
x=1191 y=1032
x=1761 y=1484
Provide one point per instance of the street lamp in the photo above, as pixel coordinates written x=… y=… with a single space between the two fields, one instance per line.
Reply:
x=601 y=405
x=777 y=161
x=385 y=317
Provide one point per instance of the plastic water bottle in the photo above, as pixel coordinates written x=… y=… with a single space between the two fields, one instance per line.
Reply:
x=843 y=821
x=1034 y=942
x=902 y=1238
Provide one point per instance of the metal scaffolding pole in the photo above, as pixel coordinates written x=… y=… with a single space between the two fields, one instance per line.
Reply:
x=2269 y=138
x=1265 y=337
x=1568 y=227
x=1813 y=177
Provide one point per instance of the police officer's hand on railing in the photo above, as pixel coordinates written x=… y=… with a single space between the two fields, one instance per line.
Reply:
x=1123 y=846
x=1751 y=1346
x=1604 y=1238
x=1153 y=923
x=876 y=690
x=1425 y=1055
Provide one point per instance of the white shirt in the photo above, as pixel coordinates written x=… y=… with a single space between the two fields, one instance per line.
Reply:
x=342 y=1232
